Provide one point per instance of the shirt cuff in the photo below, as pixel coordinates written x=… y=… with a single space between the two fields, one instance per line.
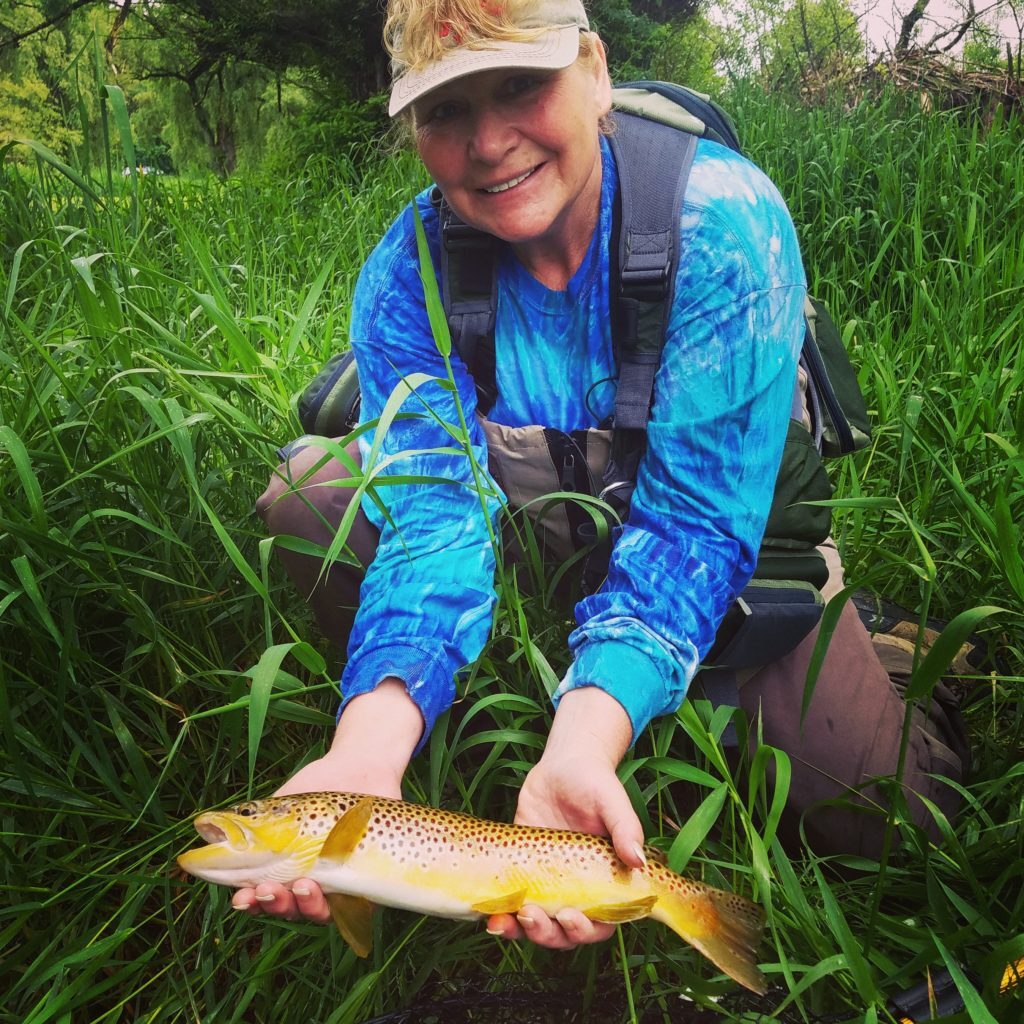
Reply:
x=626 y=673
x=427 y=677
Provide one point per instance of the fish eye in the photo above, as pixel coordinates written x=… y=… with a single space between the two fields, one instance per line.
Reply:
x=245 y=811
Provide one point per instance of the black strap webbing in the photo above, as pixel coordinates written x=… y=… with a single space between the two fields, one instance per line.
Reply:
x=647 y=256
x=469 y=291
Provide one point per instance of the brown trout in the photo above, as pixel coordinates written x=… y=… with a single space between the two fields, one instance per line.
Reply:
x=364 y=850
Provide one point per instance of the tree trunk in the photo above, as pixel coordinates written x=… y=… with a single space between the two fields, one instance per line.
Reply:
x=227 y=149
x=206 y=130
x=908 y=25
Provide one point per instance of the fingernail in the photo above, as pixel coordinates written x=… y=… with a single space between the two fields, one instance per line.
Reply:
x=495 y=931
x=300 y=892
x=240 y=906
x=266 y=899
x=524 y=920
x=639 y=851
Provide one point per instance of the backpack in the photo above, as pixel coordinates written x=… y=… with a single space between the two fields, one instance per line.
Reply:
x=657 y=128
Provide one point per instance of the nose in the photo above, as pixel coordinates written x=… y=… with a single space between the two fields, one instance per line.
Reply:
x=493 y=136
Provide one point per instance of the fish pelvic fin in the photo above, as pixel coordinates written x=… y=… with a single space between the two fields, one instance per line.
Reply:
x=510 y=904
x=349 y=831
x=620 y=913
x=353 y=916
x=725 y=927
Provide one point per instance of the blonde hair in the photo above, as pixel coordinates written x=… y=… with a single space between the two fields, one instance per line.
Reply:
x=419 y=32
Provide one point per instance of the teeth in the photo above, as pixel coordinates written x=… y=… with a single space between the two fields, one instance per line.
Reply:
x=510 y=184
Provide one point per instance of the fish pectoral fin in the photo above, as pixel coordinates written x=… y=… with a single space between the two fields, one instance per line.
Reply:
x=510 y=904
x=353 y=916
x=349 y=830
x=619 y=913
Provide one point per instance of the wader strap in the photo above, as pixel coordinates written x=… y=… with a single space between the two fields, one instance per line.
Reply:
x=469 y=291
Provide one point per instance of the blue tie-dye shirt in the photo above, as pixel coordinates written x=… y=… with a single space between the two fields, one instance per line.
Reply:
x=722 y=400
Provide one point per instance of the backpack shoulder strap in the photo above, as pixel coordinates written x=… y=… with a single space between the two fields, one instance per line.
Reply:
x=653 y=162
x=469 y=293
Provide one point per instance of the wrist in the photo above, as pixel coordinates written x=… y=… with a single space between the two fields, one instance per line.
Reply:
x=380 y=728
x=591 y=724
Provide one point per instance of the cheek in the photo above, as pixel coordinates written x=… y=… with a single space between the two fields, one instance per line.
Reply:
x=440 y=159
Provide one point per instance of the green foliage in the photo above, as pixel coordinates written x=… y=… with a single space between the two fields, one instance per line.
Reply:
x=38 y=95
x=207 y=83
x=325 y=131
x=689 y=54
x=809 y=33
x=155 y=332
x=633 y=34
x=982 y=47
x=781 y=40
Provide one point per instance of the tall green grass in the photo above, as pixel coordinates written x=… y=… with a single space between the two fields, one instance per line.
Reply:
x=155 y=333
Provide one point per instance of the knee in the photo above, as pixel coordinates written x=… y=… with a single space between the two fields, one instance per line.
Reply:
x=275 y=490
x=273 y=504
x=299 y=496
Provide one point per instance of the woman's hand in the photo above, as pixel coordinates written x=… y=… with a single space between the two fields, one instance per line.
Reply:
x=574 y=786
x=371 y=749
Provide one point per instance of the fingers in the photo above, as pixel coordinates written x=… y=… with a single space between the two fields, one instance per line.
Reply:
x=568 y=929
x=304 y=901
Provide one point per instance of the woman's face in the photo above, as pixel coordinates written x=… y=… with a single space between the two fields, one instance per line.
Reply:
x=517 y=154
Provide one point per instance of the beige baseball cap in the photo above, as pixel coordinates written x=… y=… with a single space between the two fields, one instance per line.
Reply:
x=555 y=48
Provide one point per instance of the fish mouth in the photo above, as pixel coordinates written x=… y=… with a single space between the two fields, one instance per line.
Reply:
x=219 y=829
x=231 y=853
x=239 y=853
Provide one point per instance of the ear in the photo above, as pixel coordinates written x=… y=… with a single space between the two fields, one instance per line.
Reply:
x=602 y=80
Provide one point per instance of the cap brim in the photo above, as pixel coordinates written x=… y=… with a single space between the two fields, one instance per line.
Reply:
x=557 y=48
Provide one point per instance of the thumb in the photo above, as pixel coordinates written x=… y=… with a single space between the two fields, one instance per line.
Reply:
x=626 y=832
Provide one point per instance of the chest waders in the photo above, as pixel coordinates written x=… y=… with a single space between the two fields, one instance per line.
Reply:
x=657 y=126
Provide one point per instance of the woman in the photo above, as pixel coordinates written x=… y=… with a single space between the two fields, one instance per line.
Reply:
x=506 y=103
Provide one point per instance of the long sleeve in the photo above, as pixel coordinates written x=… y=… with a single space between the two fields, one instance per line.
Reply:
x=723 y=396
x=426 y=602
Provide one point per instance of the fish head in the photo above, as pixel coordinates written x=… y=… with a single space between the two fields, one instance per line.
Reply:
x=258 y=841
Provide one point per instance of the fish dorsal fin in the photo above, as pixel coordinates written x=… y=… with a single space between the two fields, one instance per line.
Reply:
x=353 y=916
x=618 y=913
x=510 y=904
x=349 y=830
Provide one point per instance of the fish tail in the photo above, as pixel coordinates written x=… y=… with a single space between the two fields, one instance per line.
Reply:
x=725 y=927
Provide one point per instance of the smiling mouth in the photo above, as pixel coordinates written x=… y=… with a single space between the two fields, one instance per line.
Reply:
x=511 y=183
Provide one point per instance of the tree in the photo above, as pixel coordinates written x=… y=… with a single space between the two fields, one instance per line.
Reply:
x=40 y=97
x=212 y=62
x=690 y=54
x=810 y=34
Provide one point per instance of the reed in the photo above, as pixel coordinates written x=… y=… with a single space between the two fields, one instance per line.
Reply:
x=155 y=334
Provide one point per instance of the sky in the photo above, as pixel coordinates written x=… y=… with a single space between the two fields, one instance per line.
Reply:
x=882 y=19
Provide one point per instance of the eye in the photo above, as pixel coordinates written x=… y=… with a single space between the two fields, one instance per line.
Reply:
x=518 y=84
x=245 y=812
x=442 y=112
x=523 y=84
